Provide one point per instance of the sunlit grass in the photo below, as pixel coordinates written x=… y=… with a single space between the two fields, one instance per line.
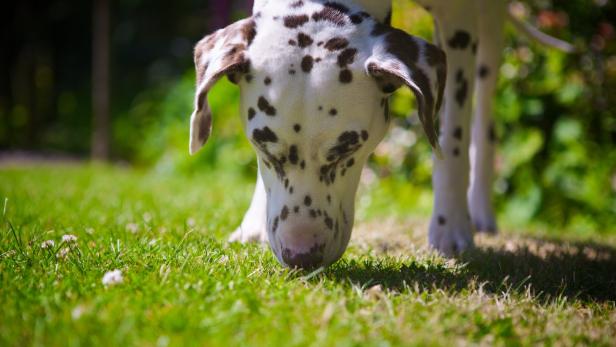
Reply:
x=184 y=285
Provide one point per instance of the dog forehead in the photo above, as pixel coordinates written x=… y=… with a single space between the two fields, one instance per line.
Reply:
x=308 y=74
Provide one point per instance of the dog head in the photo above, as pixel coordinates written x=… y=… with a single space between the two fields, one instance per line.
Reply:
x=315 y=78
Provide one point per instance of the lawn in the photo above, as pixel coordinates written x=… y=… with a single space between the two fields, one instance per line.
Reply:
x=182 y=284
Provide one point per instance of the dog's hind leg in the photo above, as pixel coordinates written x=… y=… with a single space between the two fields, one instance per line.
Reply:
x=451 y=230
x=253 y=227
x=491 y=41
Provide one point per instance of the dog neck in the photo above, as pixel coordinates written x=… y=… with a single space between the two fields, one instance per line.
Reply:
x=378 y=9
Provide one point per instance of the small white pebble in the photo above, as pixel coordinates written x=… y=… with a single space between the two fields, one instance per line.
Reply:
x=78 y=311
x=190 y=222
x=48 y=244
x=113 y=277
x=132 y=227
x=68 y=238
x=374 y=292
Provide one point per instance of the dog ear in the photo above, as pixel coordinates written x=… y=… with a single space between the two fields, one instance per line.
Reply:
x=401 y=59
x=222 y=53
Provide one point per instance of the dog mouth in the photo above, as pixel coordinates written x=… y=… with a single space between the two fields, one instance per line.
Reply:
x=301 y=241
x=308 y=260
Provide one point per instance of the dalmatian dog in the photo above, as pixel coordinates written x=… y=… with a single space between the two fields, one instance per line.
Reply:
x=315 y=77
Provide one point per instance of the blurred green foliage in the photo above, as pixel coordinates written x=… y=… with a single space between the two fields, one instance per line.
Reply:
x=555 y=114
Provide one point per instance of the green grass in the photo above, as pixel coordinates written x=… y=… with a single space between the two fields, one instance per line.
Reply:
x=184 y=285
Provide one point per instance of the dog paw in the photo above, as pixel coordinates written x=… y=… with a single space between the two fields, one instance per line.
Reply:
x=482 y=214
x=484 y=222
x=246 y=235
x=450 y=236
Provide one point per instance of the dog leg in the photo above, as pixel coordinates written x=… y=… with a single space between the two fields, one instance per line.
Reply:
x=450 y=228
x=253 y=227
x=491 y=43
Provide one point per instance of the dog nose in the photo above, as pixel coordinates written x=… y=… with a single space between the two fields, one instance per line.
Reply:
x=303 y=246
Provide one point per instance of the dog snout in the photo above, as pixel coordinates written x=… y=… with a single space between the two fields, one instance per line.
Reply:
x=302 y=246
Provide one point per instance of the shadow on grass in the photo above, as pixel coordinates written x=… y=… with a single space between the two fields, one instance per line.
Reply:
x=552 y=268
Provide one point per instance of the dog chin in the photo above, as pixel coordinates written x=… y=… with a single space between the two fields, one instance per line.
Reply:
x=307 y=245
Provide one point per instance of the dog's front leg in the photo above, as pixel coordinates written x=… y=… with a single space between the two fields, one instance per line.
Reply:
x=450 y=228
x=253 y=227
x=482 y=148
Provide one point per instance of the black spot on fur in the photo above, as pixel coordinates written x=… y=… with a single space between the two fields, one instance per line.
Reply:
x=483 y=71
x=462 y=89
x=457 y=133
x=284 y=213
x=329 y=222
x=307 y=63
x=364 y=135
x=456 y=152
x=265 y=106
x=264 y=135
x=345 y=76
x=248 y=78
x=304 y=40
x=337 y=6
x=307 y=200
x=297 y=4
x=460 y=40
x=292 y=43
x=295 y=21
x=293 y=157
x=297 y=128
x=330 y=14
x=251 y=113
x=441 y=220
x=296 y=209
x=267 y=81
x=291 y=72
x=275 y=225
x=348 y=143
x=333 y=112
x=302 y=165
x=336 y=43
x=350 y=162
x=347 y=57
